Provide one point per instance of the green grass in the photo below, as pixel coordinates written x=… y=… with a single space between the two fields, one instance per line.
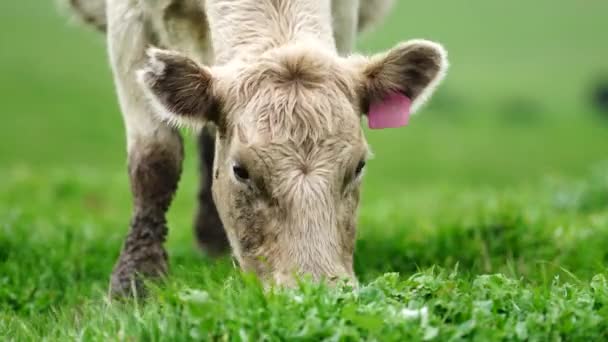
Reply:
x=485 y=219
x=479 y=264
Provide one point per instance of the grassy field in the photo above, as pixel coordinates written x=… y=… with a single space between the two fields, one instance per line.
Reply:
x=485 y=219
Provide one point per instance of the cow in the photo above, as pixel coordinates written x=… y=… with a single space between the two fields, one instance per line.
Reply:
x=277 y=97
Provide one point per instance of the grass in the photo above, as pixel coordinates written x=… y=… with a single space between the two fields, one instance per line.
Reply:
x=482 y=264
x=485 y=219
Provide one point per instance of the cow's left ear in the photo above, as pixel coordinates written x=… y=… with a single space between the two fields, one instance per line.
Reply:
x=414 y=69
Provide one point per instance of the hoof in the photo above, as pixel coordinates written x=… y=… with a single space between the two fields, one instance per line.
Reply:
x=134 y=267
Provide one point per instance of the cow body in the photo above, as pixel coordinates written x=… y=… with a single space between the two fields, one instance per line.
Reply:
x=278 y=105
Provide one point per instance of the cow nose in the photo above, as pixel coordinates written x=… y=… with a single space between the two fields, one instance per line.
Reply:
x=287 y=280
x=342 y=276
x=349 y=280
x=284 y=279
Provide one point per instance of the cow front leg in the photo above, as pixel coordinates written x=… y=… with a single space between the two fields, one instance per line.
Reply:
x=154 y=171
x=155 y=153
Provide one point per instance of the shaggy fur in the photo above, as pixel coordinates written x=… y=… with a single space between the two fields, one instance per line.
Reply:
x=286 y=102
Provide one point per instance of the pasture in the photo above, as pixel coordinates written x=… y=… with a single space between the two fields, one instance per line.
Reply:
x=485 y=219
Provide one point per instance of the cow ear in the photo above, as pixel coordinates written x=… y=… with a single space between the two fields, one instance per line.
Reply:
x=413 y=69
x=181 y=91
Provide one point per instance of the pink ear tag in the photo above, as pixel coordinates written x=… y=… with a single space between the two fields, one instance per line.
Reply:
x=392 y=112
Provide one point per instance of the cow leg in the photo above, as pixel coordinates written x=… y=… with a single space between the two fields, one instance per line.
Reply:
x=208 y=227
x=154 y=149
x=371 y=12
x=345 y=15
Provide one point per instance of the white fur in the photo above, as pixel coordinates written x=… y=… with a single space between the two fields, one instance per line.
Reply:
x=155 y=65
x=127 y=44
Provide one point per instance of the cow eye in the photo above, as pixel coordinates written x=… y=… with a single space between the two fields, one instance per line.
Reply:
x=240 y=173
x=360 y=168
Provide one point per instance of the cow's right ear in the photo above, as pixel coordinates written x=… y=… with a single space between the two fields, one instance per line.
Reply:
x=181 y=91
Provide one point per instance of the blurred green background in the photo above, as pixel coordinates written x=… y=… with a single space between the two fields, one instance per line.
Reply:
x=516 y=104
